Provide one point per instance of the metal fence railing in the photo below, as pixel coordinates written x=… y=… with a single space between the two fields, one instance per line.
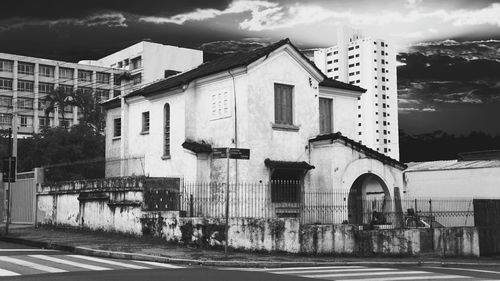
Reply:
x=288 y=199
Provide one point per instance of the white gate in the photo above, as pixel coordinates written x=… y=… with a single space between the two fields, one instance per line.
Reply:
x=23 y=198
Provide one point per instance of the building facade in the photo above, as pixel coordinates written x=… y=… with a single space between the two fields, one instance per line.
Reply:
x=26 y=81
x=371 y=64
x=148 y=62
x=298 y=124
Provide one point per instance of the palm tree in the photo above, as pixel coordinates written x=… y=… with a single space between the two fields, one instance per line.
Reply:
x=57 y=98
x=91 y=112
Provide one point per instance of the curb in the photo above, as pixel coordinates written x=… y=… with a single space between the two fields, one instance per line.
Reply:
x=227 y=263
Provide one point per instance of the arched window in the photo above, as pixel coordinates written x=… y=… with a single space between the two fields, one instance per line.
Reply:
x=166 y=130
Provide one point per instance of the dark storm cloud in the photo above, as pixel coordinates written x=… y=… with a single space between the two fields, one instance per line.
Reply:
x=59 y=9
x=232 y=46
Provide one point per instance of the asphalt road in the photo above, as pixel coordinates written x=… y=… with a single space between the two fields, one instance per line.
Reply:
x=18 y=262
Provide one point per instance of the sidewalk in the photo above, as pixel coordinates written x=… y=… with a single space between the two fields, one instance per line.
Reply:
x=144 y=248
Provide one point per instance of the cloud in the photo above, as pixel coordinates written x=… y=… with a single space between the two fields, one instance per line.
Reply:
x=412 y=3
x=106 y=19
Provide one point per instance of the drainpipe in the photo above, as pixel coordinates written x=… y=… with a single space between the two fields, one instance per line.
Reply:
x=235 y=129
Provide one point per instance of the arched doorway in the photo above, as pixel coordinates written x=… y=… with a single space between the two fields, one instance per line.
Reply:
x=368 y=195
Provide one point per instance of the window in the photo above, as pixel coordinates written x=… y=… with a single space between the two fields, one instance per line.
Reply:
x=102 y=77
x=329 y=62
x=351 y=65
x=101 y=95
x=336 y=60
x=65 y=73
x=45 y=88
x=116 y=80
x=42 y=104
x=350 y=48
x=116 y=93
x=25 y=103
x=44 y=122
x=283 y=111
x=325 y=116
x=328 y=54
x=66 y=123
x=336 y=52
x=117 y=127
x=145 y=122
x=120 y=64
x=25 y=121
x=351 y=56
x=136 y=62
x=68 y=89
x=329 y=70
x=335 y=69
x=6 y=65
x=137 y=79
x=5 y=84
x=46 y=70
x=5 y=119
x=68 y=108
x=5 y=101
x=25 y=86
x=85 y=90
x=26 y=68
x=84 y=76
x=166 y=130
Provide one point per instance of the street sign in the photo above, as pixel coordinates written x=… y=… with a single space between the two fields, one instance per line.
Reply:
x=239 y=153
x=219 y=152
x=9 y=162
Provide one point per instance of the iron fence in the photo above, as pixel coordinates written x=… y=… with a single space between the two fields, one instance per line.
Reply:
x=276 y=199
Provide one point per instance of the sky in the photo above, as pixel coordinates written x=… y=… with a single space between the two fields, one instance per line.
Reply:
x=449 y=74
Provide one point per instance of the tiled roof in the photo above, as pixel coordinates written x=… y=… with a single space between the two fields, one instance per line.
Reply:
x=226 y=63
x=288 y=164
x=451 y=165
x=360 y=147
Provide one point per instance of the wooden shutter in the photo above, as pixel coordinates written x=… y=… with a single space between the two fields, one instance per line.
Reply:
x=166 y=127
x=283 y=104
x=325 y=116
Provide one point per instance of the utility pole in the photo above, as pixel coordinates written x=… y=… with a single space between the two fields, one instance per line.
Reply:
x=7 y=221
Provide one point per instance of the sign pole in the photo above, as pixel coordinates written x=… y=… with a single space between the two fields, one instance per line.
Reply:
x=227 y=204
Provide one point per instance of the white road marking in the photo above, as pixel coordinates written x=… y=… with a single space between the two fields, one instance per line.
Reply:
x=307 y=268
x=4 y=272
x=429 y=277
x=27 y=250
x=465 y=269
x=76 y=264
x=159 y=264
x=362 y=274
x=33 y=265
x=331 y=270
x=133 y=266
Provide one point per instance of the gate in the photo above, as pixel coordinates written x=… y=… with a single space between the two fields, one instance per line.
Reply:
x=487 y=221
x=23 y=198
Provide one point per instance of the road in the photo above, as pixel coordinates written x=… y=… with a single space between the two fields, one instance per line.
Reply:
x=18 y=262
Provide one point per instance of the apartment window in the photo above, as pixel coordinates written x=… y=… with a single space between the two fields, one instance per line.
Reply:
x=357 y=64
x=359 y=133
x=335 y=68
x=351 y=56
x=336 y=77
x=145 y=122
x=357 y=72
x=325 y=116
x=329 y=62
x=116 y=80
x=45 y=88
x=102 y=77
x=85 y=90
x=328 y=54
x=283 y=101
x=358 y=81
x=84 y=76
x=336 y=60
x=6 y=65
x=383 y=87
x=385 y=150
x=383 y=53
x=350 y=48
x=65 y=73
x=46 y=70
x=5 y=101
x=117 y=127
x=43 y=122
x=101 y=95
x=120 y=64
x=329 y=70
x=25 y=121
x=26 y=68
x=126 y=62
x=137 y=79
x=359 y=115
x=166 y=130
x=66 y=123
x=357 y=55
x=351 y=74
x=25 y=86
x=351 y=65
x=43 y=104
x=336 y=52
x=5 y=84
x=5 y=119
x=385 y=132
x=137 y=62
x=357 y=46
x=25 y=103
x=68 y=89
x=116 y=93
x=383 y=44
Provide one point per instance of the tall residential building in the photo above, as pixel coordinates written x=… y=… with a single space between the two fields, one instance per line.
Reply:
x=26 y=81
x=370 y=64
x=148 y=62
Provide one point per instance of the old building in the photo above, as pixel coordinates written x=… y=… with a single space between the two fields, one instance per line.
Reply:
x=273 y=101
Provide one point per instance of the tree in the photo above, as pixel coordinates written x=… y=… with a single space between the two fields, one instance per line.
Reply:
x=90 y=110
x=57 y=98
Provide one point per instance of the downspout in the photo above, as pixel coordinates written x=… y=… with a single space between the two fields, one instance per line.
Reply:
x=235 y=129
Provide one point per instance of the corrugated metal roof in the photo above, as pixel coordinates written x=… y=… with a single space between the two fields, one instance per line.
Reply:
x=451 y=165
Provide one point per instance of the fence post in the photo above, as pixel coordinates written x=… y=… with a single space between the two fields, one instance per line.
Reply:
x=191 y=207
x=430 y=211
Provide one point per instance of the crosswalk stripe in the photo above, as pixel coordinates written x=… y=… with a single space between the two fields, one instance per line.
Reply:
x=465 y=269
x=428 y=277
x=160 y=264
x=332 y=270
x=27 y=250
x=307 y=268
x=4 y=272
x=76 y=264
x=133 y=266
x=33 y=265
x=362 y=274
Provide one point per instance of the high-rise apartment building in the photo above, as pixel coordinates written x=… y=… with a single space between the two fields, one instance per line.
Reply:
x=370 y=64
x=26 y=81
x=148 y=62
